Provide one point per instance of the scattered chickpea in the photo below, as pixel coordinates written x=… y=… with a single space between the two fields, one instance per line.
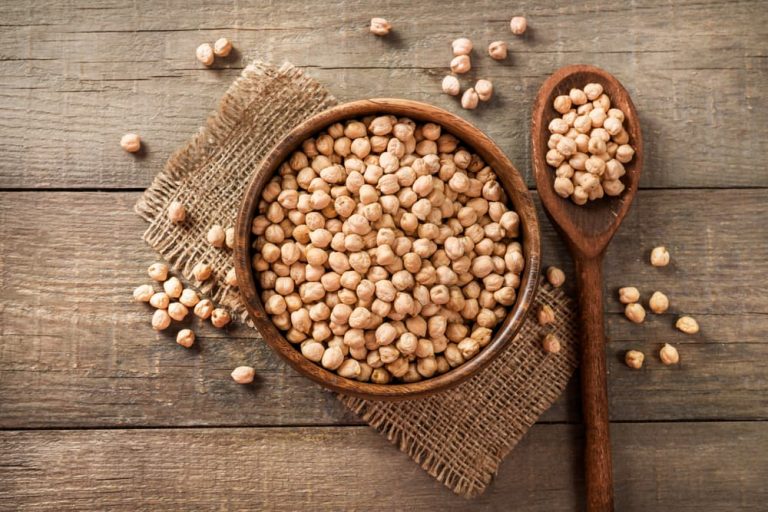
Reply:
x=229 y=237
x=555 y=276
x=243 y=374
x=220 y=317
x=222 y=47
x=158 y=271
x=160 y=320
x=461 y=46
x=635 y=312
x=658 y=303
x=451 y=85
x=185 y=338
x=143 y=293
x=551 y=344
x=231 y=278
x=380 y=26
x=173 y=287
x=517 y=25
x=216 y=236
x=687 y=325
x=629 y=295
x=484 y=90
x=130 y=142
x=470 y=99
x=189 y=297
x=546 y=315
x=159 y=300
x=204 y=54
x=461 y=64
x=177 y=311
x=204 y=309
x=202 y=271
x=660 y=257
x=498 y=50
x=177 y=213
x=669 y=355
x=634 y=359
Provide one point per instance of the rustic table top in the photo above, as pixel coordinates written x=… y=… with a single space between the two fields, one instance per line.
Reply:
x=99 y=412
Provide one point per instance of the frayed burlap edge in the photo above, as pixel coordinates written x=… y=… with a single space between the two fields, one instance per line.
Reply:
x=210 y=173
x=460 y=436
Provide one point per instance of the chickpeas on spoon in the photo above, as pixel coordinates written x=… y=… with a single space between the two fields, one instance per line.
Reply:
x=587 y=231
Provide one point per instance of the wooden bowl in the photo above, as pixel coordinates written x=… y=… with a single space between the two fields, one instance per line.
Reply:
x=470 y=137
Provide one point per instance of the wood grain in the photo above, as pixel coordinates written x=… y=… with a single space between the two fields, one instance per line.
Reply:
x=682 y=467
x=73 y=344
x=73 y=79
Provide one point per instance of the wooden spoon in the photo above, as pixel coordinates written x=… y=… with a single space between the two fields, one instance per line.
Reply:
x=587 y=231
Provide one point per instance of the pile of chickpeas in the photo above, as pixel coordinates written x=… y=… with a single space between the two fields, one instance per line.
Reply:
x=588 y=145
x=386 y=251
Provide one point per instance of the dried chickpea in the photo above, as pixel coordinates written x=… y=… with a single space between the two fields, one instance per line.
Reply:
x=660 y=257
x=555 y=276
x=189 y=297
x=159 y=300
x=546 y=315
x=380 y=26
x=204 y=54
x=498 y=50
x=629 y=295
x=658 y=303
x=687 y=325
x=461 y=64
x=160 y=320
x=185 y=338
x=517 y=25
x=461 y=46
x=173 y=287
x=204 y=309
x=635 y=312
x=669 y=355
x=243 y=374
x=130 y=142
x=550 y=343
x=143 y=293
x=634 y=359
x=220 y=317
x=158 y=271
x=484 y=90
x=216 y=235
x=222 y=47
x=202 y=271
x=177 y=213
x=177 y=311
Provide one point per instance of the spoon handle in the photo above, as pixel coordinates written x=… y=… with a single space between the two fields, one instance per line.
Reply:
x=594 y=392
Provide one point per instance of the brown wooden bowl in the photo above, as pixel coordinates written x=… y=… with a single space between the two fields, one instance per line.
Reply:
x=469 y=135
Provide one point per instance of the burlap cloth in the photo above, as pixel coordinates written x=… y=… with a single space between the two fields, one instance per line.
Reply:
x=459 y=436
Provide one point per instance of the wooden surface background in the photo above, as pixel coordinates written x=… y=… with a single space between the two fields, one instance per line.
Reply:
x=99 y=412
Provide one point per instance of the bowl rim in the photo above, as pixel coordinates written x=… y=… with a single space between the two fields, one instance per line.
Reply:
x=471 y=137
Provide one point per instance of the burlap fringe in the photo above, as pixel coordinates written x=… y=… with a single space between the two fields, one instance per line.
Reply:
x=210 y=173
x=460 y=436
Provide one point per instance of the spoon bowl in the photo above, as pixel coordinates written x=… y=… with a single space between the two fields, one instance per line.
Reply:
x=587 y=230
x=590 y=227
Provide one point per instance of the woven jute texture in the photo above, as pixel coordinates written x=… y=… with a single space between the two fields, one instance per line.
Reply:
x=459 y=436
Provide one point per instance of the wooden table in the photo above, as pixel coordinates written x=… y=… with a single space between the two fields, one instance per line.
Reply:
x=99 y=412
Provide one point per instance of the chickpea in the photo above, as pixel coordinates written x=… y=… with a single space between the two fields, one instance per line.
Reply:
x=379 y=27
x=158 y=271
x=177 y=213
x=189 y=297
x=660 y=257
x=470 y=99
x=669 y=355
x=484 y=90
x=634 y=359
x=220 y=317
x=658 y=303
x=131 y=143
x=204 y=309
x=204 y=54
x=517 y=25
x=173 y=287
x=635 y=312
x=555 y=276
x=498 y=50
x=551 y=343
x=629 y=295
x=546 y=315
x=216 y=235
x=462 y=46
x=159 y=300
x=461 y=64
x=160 y=320
x=177 y=311
x=687 y=324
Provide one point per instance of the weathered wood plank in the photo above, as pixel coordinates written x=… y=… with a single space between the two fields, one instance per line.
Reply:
x=74 y=79
x=75 y=351
x=682 y=467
